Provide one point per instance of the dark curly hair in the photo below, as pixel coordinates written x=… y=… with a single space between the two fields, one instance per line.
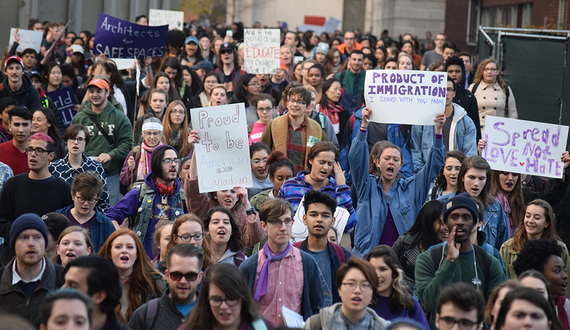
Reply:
x=535 y=254
x=235 y=244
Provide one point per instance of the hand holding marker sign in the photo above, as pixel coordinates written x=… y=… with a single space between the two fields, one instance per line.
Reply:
x=522 y=146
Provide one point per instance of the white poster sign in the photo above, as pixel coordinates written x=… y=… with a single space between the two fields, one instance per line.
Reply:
x=261 y=53
x=124 y=63
x=526 y=147
x=28 y=39
x=173 y=18
x=405 y=96
x=222 y=156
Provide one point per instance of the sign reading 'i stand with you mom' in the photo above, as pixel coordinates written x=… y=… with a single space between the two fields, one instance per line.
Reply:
x=522 y=146
x=116 y=38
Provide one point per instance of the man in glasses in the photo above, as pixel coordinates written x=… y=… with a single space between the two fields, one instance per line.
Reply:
x=183 y=274
x=159 y=197
x=228 y=69
x=460 y=304
x=37 y=191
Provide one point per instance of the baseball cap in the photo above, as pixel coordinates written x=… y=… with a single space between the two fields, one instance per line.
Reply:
x=14 y=58
x=34 y=73
x=228 y=46
x=100 y=83
x=77 y=49
x=203 y=65
x=192 y=39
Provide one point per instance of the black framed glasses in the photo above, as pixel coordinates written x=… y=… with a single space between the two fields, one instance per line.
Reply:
x=216 y=301
x=177 y=276
x=38 y=151
x=279 y=223
x=169 y=161
x=364 y=287
x=464 y=324
x=77 y=139
x=188 y=237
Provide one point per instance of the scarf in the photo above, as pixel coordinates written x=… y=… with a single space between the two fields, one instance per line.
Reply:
x=263 y=281
x=507 y=208
x=144 y=160
x=332 y=111
x=562 y=312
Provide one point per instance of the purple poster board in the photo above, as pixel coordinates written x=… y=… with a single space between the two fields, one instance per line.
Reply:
x=121 y=39
x=64 y=100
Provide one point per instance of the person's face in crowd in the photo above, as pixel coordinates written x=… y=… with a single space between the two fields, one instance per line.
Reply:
x=305 y=71
x=68 y=38
x=450 y=313
x=389 y=163
x=183 y=289
x=191 y=49
x=450 y=93
x=169 y=172
x=163 y=83
x=336 y=58
x=187 y=78
x=227 y=57
x=30 y=247
x=366 y=51
x=290 y=39
x=158 y=102
x=407 y=47
x=450 y=171
x=466 y=62
x=355 y=300
x=320 y=57
x=440 y=229
x=205 y=43
x=29 y=60
x=97 y=96
x=84 y=37
x=535 y=221
x=142 y=21
x=177 y=115
x=76 y=278
x=365 y=43
x=258 y=164
x=188 y=228
x=38 y=27
x=217 y=44
x=91 y=42
x=447 y=53
x=299 y=73
x=20 y=128
x=356 y=62
x=497 y=306
x=286 y=56
x=281 y=175
x=439 y=40
x=474 y=181
x=83 y=205
x=555 y=273
x=66 y=81
x=392 y=65
x=454 y=72
x=152 y=137
x=72 y=246
x=322 y=166
x=405 y=63
x=331 y=236
x=537 y=284
x=164 y=240
x=385 y=276
x=40 y=123
x=349 y=39
x=508 y=180
x=319 y=219
x=209 y=82
x=218 y=97
x=67 y=314
x=297 y=106
x=54 y=78
x=228 y=314
x=525 y=315
x=124 y=252
x=265 y=111
x=37 y=162
x=463 y=222
x=335 y=43
x=252 y=87
x=227 y=198
x=490 y=73
x=367 y=64
x=14 y=71
x=79 y=42
x=263 y=80
x=219 y=229
x=76 y=146
x=278 y=231
x=379 y=54
x=36 y=82
x=315 y=77
x=183 y=170
x=314 y=39
x=171 y=73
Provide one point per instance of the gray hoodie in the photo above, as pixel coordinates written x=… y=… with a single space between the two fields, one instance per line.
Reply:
x=325 y=318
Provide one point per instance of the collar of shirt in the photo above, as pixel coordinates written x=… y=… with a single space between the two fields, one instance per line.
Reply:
x=303 y=124
x=16 y=277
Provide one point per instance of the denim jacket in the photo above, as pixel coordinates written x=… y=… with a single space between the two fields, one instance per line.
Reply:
x=101 y=227
x=406 y=195
x=462 y=128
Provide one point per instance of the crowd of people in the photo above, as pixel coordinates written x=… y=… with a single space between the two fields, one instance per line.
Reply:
x=350 y=224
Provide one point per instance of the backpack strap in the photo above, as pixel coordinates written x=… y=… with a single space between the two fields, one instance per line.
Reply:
x=483 y=259
x=507 y=94
x=105 y=134
x=475 y=88
x=321 y=120
x=436 y=255
x=342 y=74
x=151 y=313
x=339 y=252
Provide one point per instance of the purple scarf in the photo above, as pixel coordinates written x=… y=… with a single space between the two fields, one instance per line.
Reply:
x=263 y=281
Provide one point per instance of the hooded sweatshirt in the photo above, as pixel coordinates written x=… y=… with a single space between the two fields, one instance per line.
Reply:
x=326 y=317
x=27 y=96
x=468 y=101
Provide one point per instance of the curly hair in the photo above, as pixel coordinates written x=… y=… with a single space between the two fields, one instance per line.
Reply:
x=235 y=244
x=277 y=160
x=481 y=68
x=535 y=254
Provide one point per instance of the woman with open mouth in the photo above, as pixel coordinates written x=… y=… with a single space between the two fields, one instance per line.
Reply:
x=446 y=181
x=259 y=152
x=73 y=242
x=224 y=236
x=218 y=96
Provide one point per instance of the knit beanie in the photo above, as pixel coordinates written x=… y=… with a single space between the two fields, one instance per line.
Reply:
x=462 y=200
x=24 y=222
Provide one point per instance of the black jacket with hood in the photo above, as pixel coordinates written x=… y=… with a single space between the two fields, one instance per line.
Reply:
x=464 y=97
x=26 y=96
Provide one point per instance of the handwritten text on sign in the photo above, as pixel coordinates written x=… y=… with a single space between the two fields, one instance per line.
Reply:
x=222 y=156
x=523 y=146
x=405 y=96
x=28 y=39
x=121 y=39
x=173 y=18
x=261 y=50
x=65 y=102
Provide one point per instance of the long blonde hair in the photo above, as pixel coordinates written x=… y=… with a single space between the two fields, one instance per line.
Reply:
x=182 y=143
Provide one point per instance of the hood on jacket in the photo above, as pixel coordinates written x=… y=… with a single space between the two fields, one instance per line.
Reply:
x=327 y=317
x=26 y=85
x=457 y=61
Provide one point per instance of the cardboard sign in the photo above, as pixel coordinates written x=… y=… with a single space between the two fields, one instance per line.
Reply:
x=522 y=146
x=65 y=101
x=261 y=50
x=123 y=63
x=222 y=156
x=173 y=18
x=405 y=96
x=121 y=39
x=28 y=39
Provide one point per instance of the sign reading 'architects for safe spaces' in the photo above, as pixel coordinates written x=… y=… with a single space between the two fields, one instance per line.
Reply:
x=523 y=146
x=405 y=96
x=261 y=50
x=222 y=155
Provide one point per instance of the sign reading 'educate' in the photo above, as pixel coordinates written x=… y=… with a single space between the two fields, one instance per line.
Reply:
x=261 y=50
x=405 y=96
x=116 y=38
x=522 y=146
x=222 y=156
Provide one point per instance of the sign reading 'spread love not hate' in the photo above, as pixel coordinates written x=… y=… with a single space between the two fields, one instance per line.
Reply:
x=116 y=38
x=222 y=155
x=522 y=146
x=261 y=53
x=405 y=96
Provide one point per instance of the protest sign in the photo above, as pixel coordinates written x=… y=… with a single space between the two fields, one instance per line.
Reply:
x=121 y=39
x=405 y=96
x=65 y=102
x=222 y=156
x=28 y=39
x=123 y=63
x=522 y=146
x=173 y=18
x=261 y=50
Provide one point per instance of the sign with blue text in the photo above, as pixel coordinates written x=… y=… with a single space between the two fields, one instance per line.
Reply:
x=65 y=102
x=405 y=96
x=121 y=39
x=527 y=147
x=222 y=155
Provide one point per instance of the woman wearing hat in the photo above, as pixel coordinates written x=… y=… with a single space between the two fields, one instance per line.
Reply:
x=191 y=55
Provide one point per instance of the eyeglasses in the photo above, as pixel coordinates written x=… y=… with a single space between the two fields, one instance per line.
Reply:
x=464 y=324
x=177 y=276
x=297 y=102
x=226 y=52
x=279 y=223
x=77 y=139
x=38 y=151
x=188 y=237
x=169 y=161
x=259 y=161
x=364 y=287
x=490 y=70
x=83 y=200
x=265 y=110
x=254 y=85
x=217 y=301
x=181 y=112
x=450 y=89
